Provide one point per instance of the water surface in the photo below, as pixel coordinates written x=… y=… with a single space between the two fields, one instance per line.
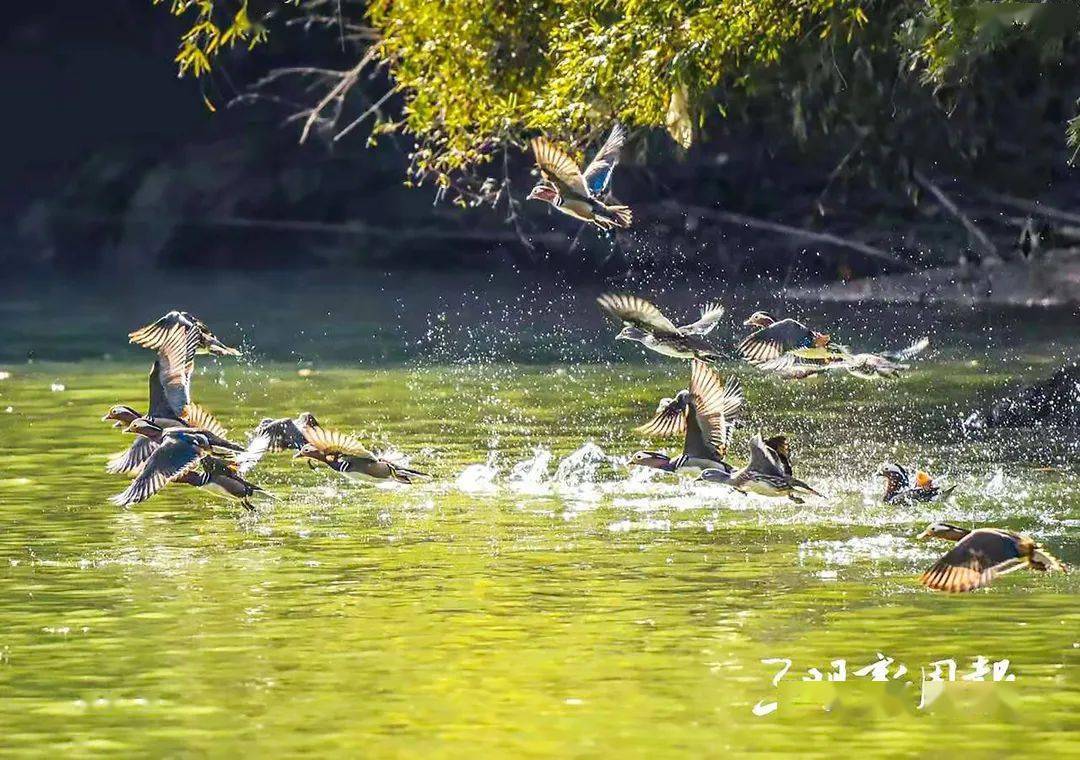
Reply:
x=536 y=598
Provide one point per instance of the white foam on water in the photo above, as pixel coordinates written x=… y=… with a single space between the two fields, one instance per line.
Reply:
x=479 y=478
x=843 y=553
x=530 y=475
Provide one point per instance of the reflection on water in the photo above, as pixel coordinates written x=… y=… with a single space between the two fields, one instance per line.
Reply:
x=538 y=597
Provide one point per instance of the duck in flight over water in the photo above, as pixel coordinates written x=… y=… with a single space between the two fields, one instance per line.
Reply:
x=647 y=325
x=582 y=195
x=346 y=455
x=981 y=555
x=773 y=339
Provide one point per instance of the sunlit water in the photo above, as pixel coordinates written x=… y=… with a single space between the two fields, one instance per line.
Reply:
x=537 y=597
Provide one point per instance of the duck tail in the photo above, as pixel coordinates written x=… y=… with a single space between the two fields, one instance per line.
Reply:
x=624 y=217
x=406 y=475
x=946 y=492
x=802 y=487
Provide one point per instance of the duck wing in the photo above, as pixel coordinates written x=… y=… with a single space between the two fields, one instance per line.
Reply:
x=772 y=342
x=781 y=451
x=154 y=335
x=710 y=316
x=334 y=442
x=909 y=353
x=715 y=406
x=201 y=419
x=763 y=460
x=131 y=460
x=559 y=168
x=636 y=311
x=597 y=174
x=670 y=418
x=171 y=460
x=975 y=561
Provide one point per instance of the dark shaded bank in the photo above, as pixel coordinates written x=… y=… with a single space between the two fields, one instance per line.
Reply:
x=1054 y=402
x=129 y=170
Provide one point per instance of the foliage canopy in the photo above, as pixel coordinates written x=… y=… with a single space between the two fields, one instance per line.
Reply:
x=475 y=75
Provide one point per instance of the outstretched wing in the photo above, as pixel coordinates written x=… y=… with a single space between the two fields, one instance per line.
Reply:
x=772 y=342
x=333 y=442
x=909 y=353
x=197 y=417
x=154 y=335
x=636 y=311
x=170 y=390
x=792 y=367
x=172 y=459
x=872 y=366
x=974 y=562
x=710 y=316
x=132 y=460
x=597 y=174
x=670 y=417
x=716 y=404
x=280 y=434
x=558 y=167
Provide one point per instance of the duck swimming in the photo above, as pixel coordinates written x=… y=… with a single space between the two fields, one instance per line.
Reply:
x=705 y=413
x=981 y=555
x=646 y=324
x=346 y=455
x=899 y=488
x=582 y=195
x=768 y=472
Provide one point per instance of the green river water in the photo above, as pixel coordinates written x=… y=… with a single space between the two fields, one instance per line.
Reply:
x=536 y=598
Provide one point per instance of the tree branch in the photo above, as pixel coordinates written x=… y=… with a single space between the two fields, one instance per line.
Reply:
x=947 y=203
x=742 y=220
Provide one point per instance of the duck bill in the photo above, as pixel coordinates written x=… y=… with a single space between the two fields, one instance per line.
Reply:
x=924 y=535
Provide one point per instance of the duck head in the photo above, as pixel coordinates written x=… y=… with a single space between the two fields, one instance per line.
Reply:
x=896 y=477
x=654 y=459
x=759 y=319
x=121 y=416
x=146 y=428
x=544 y=191
x=311 y=451
x=944 y=531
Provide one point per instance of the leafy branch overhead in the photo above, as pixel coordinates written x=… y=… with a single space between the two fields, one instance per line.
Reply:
x=474 y=76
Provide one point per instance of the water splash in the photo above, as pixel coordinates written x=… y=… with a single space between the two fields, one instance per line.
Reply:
x=479 y=478
x=582 y=465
